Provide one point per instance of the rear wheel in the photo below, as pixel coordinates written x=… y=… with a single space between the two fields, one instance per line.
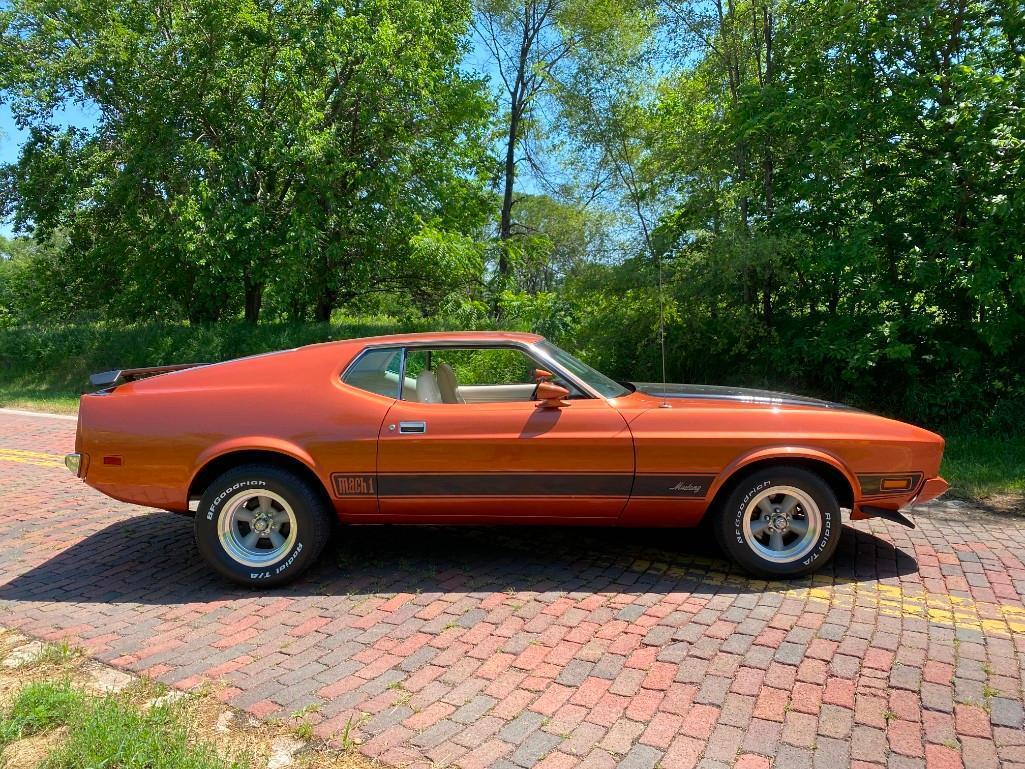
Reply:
x=780 y=522
x=261 y=525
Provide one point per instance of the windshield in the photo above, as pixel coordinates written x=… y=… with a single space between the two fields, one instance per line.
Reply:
x=597 y=380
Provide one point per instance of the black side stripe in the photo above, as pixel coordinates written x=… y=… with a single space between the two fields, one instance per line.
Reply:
x=505 y=485
x=671 y=485
x=544 y=485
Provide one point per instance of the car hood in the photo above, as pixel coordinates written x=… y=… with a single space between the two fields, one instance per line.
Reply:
x=742 y=394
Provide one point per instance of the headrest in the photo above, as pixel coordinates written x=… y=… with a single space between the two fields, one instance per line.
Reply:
x=427 y=388
x=448 y=384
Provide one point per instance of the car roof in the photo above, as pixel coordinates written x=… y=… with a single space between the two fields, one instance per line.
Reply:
x=328 y=352
x=475 y=337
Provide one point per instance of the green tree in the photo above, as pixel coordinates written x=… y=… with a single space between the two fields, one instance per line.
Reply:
x=848 y=192
x=554 y=239
x=28 y=275
x=243 y=146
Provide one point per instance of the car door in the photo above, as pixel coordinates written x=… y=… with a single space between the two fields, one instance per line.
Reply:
x=490 y=461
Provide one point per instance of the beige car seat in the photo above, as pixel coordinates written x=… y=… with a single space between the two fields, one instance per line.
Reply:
x=448 y=384
x=427 y=388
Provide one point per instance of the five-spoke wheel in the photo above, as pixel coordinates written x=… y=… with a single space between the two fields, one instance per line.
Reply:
x=782 y=523
x=256 y=528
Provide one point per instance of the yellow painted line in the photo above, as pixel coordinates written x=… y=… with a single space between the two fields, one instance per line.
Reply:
x=937 y=608
x=37 y=458
x=886 y=600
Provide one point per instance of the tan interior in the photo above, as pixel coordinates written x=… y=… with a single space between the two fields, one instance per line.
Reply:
x=448 y=385
x=427 y=390
x=495 y=393
x=441 y=386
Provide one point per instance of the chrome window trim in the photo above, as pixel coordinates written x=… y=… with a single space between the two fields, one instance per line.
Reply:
x=530 y=350
x=402 y=372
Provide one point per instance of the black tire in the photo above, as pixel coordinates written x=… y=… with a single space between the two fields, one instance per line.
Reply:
x=292 y=494
x=810 y=551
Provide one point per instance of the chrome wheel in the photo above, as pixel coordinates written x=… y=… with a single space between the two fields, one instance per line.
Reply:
x=256 y=528
x=782 y=524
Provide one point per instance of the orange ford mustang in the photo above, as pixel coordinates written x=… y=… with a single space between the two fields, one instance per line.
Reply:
x=484 y=428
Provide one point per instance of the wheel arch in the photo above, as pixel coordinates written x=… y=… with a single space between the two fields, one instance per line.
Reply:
x=217 y=463
x=825 y=465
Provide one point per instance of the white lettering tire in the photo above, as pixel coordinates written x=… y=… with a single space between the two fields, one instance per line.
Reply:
x=261 y=525
x=780 y=522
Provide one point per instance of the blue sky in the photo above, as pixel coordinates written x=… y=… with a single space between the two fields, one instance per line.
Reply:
x=11 y=138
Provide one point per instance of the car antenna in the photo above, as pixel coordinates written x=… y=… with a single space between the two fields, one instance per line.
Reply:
x=662 y=331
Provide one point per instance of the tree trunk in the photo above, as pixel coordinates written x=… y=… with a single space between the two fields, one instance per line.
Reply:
x=505 y=225
x=254 y=300
x=516 y=111
x=325 y=305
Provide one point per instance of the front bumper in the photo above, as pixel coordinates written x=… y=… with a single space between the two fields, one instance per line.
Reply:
x=890 y=508
x=931 y=489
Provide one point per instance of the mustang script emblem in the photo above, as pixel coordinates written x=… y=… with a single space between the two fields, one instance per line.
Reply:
x=687 y=488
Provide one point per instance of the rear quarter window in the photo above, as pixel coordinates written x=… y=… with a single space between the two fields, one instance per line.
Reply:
x=376 y=371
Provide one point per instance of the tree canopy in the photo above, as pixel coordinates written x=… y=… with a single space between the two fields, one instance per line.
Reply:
x=306 y=149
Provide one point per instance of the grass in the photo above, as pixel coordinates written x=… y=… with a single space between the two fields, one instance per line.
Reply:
x=54 y=714
x=57 y=653
x=39 y=707
x=303 y=728
x=979 y=465
x=39 y=399
x=48 y=367
x=112 y=731
x=106 y=731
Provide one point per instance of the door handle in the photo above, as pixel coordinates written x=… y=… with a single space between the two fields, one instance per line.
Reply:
x=413 y=427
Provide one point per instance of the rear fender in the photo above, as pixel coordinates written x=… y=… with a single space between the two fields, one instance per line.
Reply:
x=253 y=443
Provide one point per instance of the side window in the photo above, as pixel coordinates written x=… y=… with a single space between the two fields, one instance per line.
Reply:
x=478 y=375
x=376 y=371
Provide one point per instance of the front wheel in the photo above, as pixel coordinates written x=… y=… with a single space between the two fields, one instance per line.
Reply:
x=261 y=525
x=780 y=522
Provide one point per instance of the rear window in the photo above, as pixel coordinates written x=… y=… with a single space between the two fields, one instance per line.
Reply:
x=376 y=371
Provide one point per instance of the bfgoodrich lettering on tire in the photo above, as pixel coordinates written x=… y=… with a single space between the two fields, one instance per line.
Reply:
x=780 y=522
x=261 y=525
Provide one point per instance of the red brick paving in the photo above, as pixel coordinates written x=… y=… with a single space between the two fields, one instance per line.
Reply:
x=558 y=649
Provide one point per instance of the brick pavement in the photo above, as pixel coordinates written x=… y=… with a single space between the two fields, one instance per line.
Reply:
x=551 y=648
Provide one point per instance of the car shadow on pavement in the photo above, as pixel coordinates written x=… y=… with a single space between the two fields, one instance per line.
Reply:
x=151 y=559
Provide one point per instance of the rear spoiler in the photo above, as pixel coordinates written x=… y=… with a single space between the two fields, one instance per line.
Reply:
x=120 y=376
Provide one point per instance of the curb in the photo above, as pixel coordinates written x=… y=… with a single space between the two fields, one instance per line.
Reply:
x=22 y=413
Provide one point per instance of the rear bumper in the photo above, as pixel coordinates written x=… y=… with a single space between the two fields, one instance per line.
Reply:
x=77 y=463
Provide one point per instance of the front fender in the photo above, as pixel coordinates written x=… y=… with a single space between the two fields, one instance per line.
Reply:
x=783 y=453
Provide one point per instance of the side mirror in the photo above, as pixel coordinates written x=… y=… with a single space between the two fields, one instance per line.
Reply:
x=551 y=396
x=540 y=375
